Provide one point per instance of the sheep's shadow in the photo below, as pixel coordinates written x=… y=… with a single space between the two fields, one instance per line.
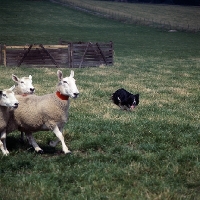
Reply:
x=16 y=144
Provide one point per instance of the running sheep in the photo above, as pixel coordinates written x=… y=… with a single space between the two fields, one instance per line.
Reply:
x=24 y=87
x=8 y=102
x=47 y=112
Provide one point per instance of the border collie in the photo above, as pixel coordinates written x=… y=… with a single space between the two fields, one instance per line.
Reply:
x=124 y=99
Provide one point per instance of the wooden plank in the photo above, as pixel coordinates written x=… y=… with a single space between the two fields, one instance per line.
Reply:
x=38 y=46
x=4 y=57
x=25 y=54
x=1 y=54
x=70 y=54
x=49 y=55
x=18 y=47
x=71 y=57
x=84 y=54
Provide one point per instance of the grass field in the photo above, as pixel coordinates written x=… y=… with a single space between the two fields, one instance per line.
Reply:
x=157 y=15
x=150 y=153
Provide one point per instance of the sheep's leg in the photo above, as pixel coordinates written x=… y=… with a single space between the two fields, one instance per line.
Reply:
x=32 y=142
x=61 y=138
x=22 y=137
x=54 y=143
x=5 y=152
x=2 y=148
x=3 y=144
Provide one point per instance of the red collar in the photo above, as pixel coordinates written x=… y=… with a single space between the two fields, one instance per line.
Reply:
x=24 y=95
x=61 y=96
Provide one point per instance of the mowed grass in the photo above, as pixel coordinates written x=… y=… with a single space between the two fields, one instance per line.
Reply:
x=175 y=16
x=150 y=153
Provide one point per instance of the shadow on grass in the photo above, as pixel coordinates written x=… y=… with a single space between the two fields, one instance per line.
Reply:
x=194 y=185
x=16 y=144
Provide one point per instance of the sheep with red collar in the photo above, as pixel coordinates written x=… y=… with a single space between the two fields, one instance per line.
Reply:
x=47 y=112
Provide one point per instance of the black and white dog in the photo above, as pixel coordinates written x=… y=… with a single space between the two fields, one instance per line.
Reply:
x=124 y=99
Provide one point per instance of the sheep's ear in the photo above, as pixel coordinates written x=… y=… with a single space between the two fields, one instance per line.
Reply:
x=12 y=88
x=15 y=78
x=60 y=75
x=72 y=74
x=30 y=77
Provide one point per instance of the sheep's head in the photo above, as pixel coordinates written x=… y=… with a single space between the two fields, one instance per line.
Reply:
x=24 y=84
x=7 y=98
x=67 y=86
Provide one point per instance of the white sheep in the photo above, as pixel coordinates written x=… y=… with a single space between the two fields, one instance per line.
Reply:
x=7 y=103
x=47 y=112
x=24 y=85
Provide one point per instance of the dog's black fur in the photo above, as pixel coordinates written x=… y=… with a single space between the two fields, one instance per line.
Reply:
x=124 y=99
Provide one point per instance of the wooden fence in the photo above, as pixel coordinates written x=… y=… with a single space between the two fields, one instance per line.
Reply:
x=66 y=54
x=90 y=54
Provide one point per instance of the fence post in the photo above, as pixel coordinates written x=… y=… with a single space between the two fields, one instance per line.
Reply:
x=1 y=61
x=4 y=55
x=112 y=49
x=71 y=55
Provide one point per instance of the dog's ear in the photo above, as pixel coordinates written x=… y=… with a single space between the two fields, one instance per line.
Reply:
x=137 y=98
x=119 y=99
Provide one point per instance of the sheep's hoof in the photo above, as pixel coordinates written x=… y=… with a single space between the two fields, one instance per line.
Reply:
x=21 y=140
x=68 y=152
x=40 y=151
x=51 y=144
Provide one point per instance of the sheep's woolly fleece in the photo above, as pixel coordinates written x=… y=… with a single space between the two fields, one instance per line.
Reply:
x=7 y=103
x=40 y=106
x=47 y=112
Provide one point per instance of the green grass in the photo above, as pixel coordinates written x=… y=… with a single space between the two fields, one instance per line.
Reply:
x=150 y=153
x=157 y=15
